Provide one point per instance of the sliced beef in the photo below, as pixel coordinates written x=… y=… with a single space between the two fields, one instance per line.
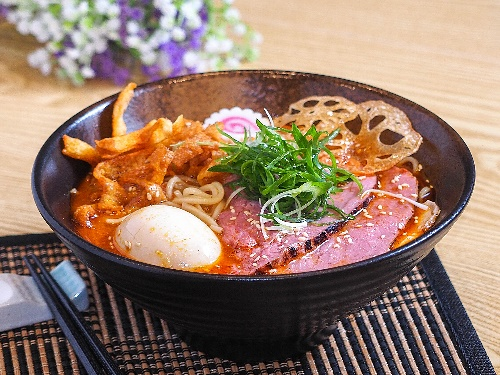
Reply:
x=371 y=233
x=253 y=252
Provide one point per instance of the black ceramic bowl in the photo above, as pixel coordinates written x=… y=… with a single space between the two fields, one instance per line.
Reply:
x=249 y=316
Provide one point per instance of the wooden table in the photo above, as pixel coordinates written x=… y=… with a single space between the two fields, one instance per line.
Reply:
x=442 y=55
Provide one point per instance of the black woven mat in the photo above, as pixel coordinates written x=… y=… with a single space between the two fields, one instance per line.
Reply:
x=417 y=327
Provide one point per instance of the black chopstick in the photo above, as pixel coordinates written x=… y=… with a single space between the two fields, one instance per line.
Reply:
x=90 y=351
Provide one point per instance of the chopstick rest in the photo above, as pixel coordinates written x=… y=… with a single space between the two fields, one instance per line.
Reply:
x=21 y=303
x=88 y=348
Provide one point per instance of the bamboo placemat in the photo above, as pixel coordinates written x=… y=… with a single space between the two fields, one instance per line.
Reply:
x=417 y=327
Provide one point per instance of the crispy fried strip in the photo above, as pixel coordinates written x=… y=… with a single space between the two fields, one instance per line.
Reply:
x=78 y=149
x=114 y=146
x=118 y=124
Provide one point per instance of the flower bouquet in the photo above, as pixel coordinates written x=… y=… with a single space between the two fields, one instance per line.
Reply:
x=115 y=39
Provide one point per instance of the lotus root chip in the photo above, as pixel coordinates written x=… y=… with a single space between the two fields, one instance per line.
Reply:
x=373 y=135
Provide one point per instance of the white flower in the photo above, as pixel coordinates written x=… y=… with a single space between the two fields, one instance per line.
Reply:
x=73 y=53
x=232 y=15
x=190 y=59
x=166 y=22
x=225 y=45
x=40 y=59
x=166 y=7
x=38 y=29
x=52 y=25
x=102 y=6
x=240 y=29
x=148 y=58
x=78 y=38
x=100 y=45
x=257 y=38
x=212 y=45
x=159 y=37
x=69 y=11
x=87 y=72
x=133 y=27
x=68 y=65
x=83 y=8
x=133 y=41
x=193 y=22
x=22 y=19
x=9 y=2
x=232 y=62
x=178 y=34
x=113 y=11
x=190 y=8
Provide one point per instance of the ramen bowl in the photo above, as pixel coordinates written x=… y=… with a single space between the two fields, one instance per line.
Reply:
x=249 y=316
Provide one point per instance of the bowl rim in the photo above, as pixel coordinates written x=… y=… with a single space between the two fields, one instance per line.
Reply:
x=64 y=234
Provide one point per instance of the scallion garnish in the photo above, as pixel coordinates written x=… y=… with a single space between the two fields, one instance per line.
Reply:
x=287 y=175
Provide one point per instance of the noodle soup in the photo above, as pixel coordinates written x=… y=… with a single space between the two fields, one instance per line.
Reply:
x=308 y=192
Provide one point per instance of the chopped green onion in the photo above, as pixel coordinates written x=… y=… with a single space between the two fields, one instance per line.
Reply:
x=287 y=175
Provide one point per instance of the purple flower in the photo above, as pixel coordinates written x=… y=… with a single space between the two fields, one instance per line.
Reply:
x=4 y=10
x=153 y=72
x=105 y=66
x=197 y=35
x=175 y=53
x=135 y=13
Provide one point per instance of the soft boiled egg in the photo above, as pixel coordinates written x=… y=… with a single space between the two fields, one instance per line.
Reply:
x=167 y=236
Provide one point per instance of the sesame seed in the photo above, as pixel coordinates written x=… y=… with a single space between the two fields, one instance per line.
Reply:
x=370 y=224
x=396 y=179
